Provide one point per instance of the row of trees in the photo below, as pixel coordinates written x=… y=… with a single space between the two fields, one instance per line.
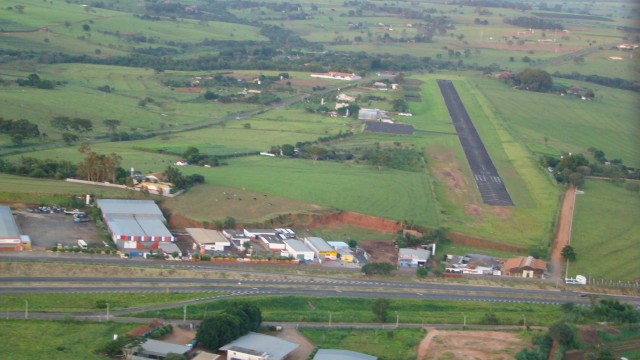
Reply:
x=573 y=168
x=229 y=324
x=100 y=167
x=19 y=129
x=180 y=181
x=33 y=80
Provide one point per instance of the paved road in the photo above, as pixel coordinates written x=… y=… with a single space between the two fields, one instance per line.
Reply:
x=485 y=174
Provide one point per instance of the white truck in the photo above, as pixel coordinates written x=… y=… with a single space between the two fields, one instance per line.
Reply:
x=82 y=244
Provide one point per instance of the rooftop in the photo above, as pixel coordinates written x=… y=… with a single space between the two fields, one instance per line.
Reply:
x=129 y=207
x=134 y=225
x=319 y=244
x=414 y=253
x=335 y=354
x=277 y=348
x=8 y=226
x=206 y=236
x=529 y=261
x=161 y=348
x=297 y=245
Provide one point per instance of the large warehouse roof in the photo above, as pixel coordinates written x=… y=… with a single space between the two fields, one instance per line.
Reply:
x=129 y=207
x=137 y=226
x=8 y=226
x=254 y=342
x=319 y=244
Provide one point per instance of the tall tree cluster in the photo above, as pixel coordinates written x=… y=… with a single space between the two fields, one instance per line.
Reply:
x=98 y=167
x=229 y=324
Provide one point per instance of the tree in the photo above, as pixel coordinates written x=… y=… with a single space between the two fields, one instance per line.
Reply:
x=422 y=272
x=229 y=222
x=69 y=138
x=568 y=253
x=380 y=308
x=353 y=243
x=534 y=80
x=209 y=95
x=86 y=27
x=563 y=333
x=174 y=356
x=288 y=150
x=111 y=124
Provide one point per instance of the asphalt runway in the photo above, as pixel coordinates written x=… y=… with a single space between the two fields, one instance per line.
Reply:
x=489 y=182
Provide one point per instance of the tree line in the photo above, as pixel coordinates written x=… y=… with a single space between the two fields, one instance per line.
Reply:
x=18 y=130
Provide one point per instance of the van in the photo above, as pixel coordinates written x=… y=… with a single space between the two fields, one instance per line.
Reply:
x=82 y=244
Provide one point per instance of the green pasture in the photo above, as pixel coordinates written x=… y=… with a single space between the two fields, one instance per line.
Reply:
x=208 y=203
x=58 y=340
x=570 y=124
x=388 y=193
x=84 y=302
x=17 y=189
x=605 y=232
x=391 y=344
x=413 y=311
x=599 y=63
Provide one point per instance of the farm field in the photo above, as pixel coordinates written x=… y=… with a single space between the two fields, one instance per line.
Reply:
x=606 y=252
x=414 y=311
x=59 y=340
x=396 y=344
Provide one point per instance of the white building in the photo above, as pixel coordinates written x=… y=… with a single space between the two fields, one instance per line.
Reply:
x=322 y=250
x=211 y=240
x=299 y=250
x=413 y=257
x=254 y=346
x=254 y=233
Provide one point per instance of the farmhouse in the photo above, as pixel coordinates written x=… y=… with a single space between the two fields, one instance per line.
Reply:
x=527 y=267
x=155 y=349
x=322 y=250
x=413 y=258
x=254 y=346
x=299 y=250
x=10 y=238
x=136 y=226
x=337 y=76
x=209 y=240
x=335 y=354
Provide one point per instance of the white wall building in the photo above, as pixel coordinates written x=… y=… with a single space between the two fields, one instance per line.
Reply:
x=299 y=250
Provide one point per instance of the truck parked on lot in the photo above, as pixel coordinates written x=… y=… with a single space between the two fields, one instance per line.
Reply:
x=83 y=244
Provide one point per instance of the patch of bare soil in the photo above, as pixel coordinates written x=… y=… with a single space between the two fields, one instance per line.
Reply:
x=473 y=210
x=501 y=212
x=469 y=345
x=303 y=351
x=380 y=251
x=180 y=336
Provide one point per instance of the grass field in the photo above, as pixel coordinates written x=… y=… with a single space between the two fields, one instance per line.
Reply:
x=84 y=302
x=414 y=311
x=396 y=344
x=605 y=232
x=59 y=340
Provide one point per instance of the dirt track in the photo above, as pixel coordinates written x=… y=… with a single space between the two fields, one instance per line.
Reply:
x=563 y=231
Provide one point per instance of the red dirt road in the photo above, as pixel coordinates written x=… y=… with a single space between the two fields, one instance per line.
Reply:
x=563 y=231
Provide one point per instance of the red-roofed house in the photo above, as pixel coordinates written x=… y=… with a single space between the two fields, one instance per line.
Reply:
x=528 y=267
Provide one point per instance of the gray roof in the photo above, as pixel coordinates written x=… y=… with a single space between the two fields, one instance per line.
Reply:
x=137 y=226
x=297 y=245
x=415 y=253
x=162 y=348
x=129 y=207
x=319 y=244
x=168 y=247
x=8 y=226
x=276 y=347
x=334 y=354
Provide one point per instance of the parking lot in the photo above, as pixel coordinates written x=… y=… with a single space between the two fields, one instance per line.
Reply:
x=47 y=230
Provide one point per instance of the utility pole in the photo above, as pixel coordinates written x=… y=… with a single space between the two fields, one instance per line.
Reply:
x=397 y=319
x=184 y=314
x=464 y=321
x=329 y=318
x=107 y=311
x=26 y=309
x=524 y=319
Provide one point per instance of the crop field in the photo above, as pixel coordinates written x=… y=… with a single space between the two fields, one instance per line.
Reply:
x=385 y=344
x=605 y=232
x=59 y=340
x=413 y=311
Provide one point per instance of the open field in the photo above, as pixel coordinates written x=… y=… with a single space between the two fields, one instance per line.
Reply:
x=478 y=345
x=312 y=309
x=83 y=302
x=394 y=344
x=59 y=340
x=605 y=232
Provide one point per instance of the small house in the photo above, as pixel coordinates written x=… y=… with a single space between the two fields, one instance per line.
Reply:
x=527 y=267
x=413 y=258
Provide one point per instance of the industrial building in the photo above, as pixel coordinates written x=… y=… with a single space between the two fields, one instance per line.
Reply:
x=413 y=257
x=137 y=227
x=323 y=251
x=254 y=346
x=209 y=240
x=336 y=354
x=10 y=238
x=299 y=250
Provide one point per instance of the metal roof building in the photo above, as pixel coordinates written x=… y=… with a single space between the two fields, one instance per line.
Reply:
x=135 y=225
x=9 y=231
x=260 y=346
x=155 y=349
x=209 y=239
x=335 y=354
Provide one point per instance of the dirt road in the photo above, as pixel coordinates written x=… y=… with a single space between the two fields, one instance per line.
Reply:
x=563 y=231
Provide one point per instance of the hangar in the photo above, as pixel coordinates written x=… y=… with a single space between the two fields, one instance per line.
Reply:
x=136 y=226
x=10 y=238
